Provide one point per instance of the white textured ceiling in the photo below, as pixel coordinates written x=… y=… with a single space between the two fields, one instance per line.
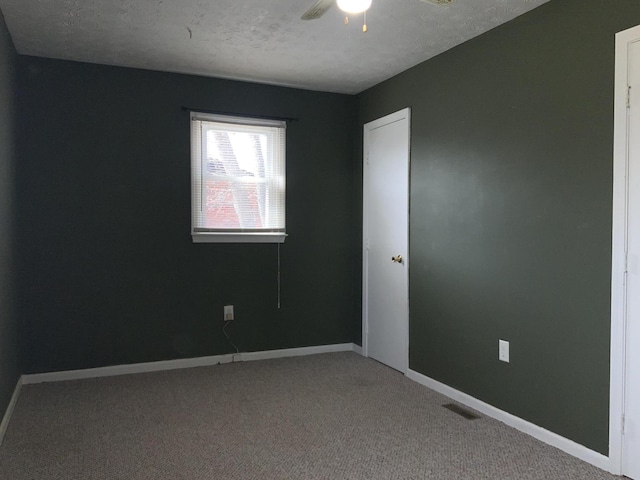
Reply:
x=257 y=40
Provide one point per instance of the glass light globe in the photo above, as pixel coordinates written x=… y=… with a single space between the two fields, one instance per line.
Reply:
x=353 y=6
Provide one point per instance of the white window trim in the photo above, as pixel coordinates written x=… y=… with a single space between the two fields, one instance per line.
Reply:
x=248 y=237
x=235 y=236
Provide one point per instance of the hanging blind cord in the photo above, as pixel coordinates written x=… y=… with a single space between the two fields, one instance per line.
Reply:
x=278 y=275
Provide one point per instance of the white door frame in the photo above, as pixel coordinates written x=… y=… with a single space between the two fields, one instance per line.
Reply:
x=619 y=248
x=393 y=117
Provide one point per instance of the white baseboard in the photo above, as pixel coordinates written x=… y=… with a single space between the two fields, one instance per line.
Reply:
x=357 y=349
x=9 y=411
x=295 y=352
x=546 y=436
x=183 y=363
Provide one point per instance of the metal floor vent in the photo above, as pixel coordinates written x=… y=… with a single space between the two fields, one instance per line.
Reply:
x=439 y=2
x=461 y=411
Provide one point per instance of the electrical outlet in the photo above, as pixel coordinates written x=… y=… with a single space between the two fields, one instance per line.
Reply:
x=503 y=351
x=228 y=313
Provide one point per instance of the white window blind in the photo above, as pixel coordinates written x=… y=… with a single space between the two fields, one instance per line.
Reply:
x=237 y=179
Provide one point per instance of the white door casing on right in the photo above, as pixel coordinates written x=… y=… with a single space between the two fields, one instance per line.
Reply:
x=385 y=235
x=625 y=320
x=631 y=439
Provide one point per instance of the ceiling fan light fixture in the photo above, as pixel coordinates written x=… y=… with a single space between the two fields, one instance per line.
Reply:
x=354 y=6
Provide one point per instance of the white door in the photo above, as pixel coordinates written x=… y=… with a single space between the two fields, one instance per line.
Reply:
x=385 y=235
x=631 y=439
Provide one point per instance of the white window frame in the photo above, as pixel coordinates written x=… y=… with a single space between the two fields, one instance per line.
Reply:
x=245 y=235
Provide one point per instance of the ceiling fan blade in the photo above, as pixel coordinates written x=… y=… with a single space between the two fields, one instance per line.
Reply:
x=318 y=10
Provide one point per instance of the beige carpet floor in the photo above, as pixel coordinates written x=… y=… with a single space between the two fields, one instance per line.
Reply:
x=333 y=416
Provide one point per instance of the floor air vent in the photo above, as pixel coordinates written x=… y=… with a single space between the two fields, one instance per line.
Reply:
x=439 y=2
x=461 y=411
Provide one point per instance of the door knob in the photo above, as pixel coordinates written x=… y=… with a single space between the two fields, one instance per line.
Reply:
x=397 y=259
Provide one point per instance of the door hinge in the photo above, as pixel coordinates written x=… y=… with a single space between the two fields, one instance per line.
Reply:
x=622 y=423
x=628 y=96
x=626 y=262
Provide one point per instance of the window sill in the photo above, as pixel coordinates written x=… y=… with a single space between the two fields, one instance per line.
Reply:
x=208 y=237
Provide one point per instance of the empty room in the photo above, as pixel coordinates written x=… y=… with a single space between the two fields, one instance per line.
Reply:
x=313 y=239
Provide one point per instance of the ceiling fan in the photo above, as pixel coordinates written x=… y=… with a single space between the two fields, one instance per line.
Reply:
x=349 y=6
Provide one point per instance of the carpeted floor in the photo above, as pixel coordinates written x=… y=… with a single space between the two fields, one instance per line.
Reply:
x=334 y=416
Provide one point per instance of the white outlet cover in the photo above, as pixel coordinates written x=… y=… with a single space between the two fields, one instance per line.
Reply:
x=503 y=350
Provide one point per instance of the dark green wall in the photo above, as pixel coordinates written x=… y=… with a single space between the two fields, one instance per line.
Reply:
x=511 y=188
x=109 y=274
x=510 y=217
x=9 y=360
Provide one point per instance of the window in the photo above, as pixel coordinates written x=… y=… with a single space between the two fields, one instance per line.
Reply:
x=237 y=179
